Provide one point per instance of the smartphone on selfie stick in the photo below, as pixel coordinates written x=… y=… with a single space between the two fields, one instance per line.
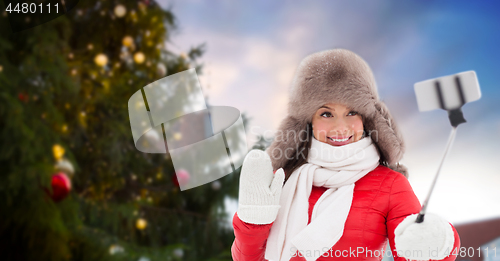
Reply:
x=448 y=93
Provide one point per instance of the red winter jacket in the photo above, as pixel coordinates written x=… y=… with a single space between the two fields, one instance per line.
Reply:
x=382 y=199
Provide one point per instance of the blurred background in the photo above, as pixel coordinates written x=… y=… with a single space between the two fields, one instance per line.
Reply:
x=74 y=187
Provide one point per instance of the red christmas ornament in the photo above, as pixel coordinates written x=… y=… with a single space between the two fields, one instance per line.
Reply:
x=181 y=176
x=23 y=97
x=61 y=186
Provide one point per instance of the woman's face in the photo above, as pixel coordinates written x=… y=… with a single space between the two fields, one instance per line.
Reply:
x=337 y=125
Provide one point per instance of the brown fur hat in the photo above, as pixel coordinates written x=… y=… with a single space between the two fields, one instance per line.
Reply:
x=336 y=76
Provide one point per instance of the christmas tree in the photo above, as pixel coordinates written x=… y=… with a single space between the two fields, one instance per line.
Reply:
x=72 y=185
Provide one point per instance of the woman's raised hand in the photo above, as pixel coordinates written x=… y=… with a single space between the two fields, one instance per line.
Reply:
x=260 y=189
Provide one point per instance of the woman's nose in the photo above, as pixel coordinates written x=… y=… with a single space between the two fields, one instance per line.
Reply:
x=341 y=127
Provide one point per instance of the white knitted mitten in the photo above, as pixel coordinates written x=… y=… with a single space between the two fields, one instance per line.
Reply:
x=260 y=189
x=432 y=239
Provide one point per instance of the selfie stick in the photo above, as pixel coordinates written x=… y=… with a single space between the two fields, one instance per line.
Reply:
x=449 y=93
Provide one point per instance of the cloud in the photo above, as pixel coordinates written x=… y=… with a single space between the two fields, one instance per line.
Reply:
x=218 y=76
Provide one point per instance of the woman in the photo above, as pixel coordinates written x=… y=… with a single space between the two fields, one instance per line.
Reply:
x=344 y=192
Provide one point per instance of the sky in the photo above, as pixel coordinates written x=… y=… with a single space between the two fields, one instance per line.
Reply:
x=254 y=47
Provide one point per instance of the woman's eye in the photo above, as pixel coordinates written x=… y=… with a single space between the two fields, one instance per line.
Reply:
x=325 y=113
x=353 y=113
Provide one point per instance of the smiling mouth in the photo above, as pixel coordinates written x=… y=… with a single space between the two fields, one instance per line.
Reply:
x=340 y=140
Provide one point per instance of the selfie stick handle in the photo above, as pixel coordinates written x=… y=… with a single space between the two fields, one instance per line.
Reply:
x=456 y=117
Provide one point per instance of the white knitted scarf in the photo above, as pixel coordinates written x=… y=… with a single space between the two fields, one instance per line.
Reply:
x=334 y=167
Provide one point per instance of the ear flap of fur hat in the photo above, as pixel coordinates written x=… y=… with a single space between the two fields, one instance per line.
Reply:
x=400 y=168
x=384 y=132
x=291 y=136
